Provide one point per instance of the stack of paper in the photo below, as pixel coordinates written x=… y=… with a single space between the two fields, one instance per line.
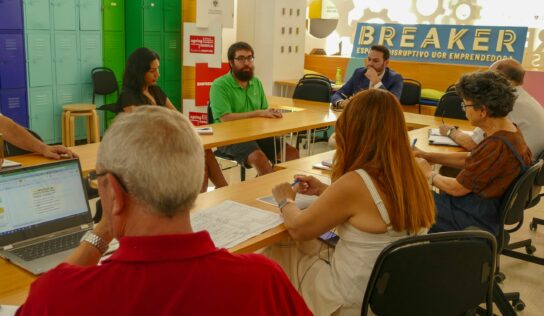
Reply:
x=231 y=223
x=10 y=163
x=204 y=130
x=324 y=165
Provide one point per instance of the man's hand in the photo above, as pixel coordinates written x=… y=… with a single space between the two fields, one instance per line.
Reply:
x=57 y=152
x=270 y=113
x=372 y=75
x=425 y=167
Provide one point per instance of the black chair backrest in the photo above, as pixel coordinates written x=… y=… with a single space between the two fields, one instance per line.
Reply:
x=437 y=274
x=104 y=81
x=516 y=199
x=411 y=92
x=315 y=76
x=451 y=87
x=313 y=89
x=12 y=150
x=539 y=180
x=210 y=114
x=450 y=106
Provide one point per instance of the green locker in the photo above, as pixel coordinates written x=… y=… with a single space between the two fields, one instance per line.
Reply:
x=172 y=15
x=153 y=15
x=114 y=52
x=40 y=112
x=173 y=91
x=66 y=57
x=38 y=50
x=91 y=53
x=154 y=41
x=171 y=57
x=37 y=14
x=64 y=15
x=89 y=17
x=113 y=15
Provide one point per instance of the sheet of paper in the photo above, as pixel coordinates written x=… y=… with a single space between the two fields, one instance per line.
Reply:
x=436 y=139
x=231 y=223
x=321 y=166
x=204 y=130
x=301 y=200
x=10 y=163
x=8 y=310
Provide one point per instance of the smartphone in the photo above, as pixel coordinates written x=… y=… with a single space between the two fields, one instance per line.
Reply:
x=329 y=238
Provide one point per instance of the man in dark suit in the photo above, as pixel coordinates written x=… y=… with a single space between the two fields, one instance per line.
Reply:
x=376 y=75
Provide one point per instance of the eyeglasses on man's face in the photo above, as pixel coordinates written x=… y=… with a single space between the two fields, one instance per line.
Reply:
x=93 y=176
x=243 y=59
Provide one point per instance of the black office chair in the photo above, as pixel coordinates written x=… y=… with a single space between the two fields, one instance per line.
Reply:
x=511 y=212
x=105 y=83
x=535 y=198
x=438 y=274
x=313 y=87
x=450 y=106
x=411 y=93
x=451 y=87
x=12 y=150
x=222 y=155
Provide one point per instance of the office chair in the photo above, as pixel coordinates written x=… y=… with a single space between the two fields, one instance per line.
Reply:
x=313 y=87
x=105 y=83
x=450 y=106
x=451 y=87
x=539 y=183
x=438 y=274
x=411 y=93
x=12 y=150
x=225 y=156
x=511 y=212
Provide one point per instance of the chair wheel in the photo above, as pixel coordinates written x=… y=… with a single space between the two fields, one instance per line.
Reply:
x=533 y=225
x=518 y=305
x=530 y=249
x=499 y=277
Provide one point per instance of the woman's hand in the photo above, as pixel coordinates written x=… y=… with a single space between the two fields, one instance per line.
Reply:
x=309 y=185
x=283 y=191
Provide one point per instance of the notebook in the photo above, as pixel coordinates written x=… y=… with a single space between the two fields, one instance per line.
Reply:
x=435 y=138
x=44 y=213
x=10 y=163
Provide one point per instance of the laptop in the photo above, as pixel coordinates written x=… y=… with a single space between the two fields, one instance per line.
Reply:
x=44 y=213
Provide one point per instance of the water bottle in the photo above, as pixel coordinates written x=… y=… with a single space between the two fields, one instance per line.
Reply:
x=338 y=76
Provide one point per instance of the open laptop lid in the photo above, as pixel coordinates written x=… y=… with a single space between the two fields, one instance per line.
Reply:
x=40 y=200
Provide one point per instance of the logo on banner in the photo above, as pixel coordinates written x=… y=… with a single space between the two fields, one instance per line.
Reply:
x=204 y=76
x=202 y=44
x=452 y=44
x=198 y=118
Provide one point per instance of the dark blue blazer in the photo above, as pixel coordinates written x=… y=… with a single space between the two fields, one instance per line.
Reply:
x=391 y=81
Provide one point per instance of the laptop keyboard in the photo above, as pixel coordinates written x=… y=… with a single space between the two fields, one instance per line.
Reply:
x=49 y=247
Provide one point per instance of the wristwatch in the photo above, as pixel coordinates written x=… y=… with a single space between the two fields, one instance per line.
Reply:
x=96 y=241
x=450 y=131
x=283 y=203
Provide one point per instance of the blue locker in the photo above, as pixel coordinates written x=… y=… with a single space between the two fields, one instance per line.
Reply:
x=89 y=15
x=66 y=57
x=41 y=113
x=91 y=53
x=64 y=15
x=11 y=15
x=13 y=105
x=40 y=71
x=12 y=61
x=37 y=15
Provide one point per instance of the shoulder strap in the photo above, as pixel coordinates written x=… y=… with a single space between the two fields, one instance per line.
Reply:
x=505 y=140
x=375 y=195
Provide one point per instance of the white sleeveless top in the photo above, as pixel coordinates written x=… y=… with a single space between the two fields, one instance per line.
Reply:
x=342 y=283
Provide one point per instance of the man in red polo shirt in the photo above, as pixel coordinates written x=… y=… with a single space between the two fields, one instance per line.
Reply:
x=149 y=171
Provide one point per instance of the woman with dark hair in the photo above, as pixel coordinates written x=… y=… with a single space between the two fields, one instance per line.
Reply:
x=473 y=198
x=378 y=195
x=140 y=88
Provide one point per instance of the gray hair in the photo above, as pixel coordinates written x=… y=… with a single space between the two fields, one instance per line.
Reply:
x=157 y=155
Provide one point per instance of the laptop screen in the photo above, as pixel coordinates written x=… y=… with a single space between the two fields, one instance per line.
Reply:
x=42 y=199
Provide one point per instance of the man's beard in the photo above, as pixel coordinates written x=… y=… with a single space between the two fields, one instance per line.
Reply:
x=243 y=74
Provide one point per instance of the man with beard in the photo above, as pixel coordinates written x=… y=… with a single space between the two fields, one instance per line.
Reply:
x=376 y=75
x=239 y=95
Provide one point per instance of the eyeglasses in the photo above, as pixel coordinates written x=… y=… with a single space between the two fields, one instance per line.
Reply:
x=242 y=59
x=465 y=106
x=93 y=176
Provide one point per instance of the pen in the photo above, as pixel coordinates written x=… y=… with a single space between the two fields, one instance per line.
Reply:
x=414 y=143
x=297 y=181
x=345 y=96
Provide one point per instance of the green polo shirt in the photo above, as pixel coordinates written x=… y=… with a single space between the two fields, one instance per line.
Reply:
x=226 y=96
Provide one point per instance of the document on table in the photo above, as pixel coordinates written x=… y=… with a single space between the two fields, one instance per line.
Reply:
x=231 y=223
x=8 y=310
x=435 y=138
x=323 y=165
x=10 y=163
x=302 y=201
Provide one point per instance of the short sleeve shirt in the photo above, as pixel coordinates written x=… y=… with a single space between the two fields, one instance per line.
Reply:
x=130 y=97
x=492 y=166
x=226 y=96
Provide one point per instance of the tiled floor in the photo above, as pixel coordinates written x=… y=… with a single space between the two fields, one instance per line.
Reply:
x=524 y=277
